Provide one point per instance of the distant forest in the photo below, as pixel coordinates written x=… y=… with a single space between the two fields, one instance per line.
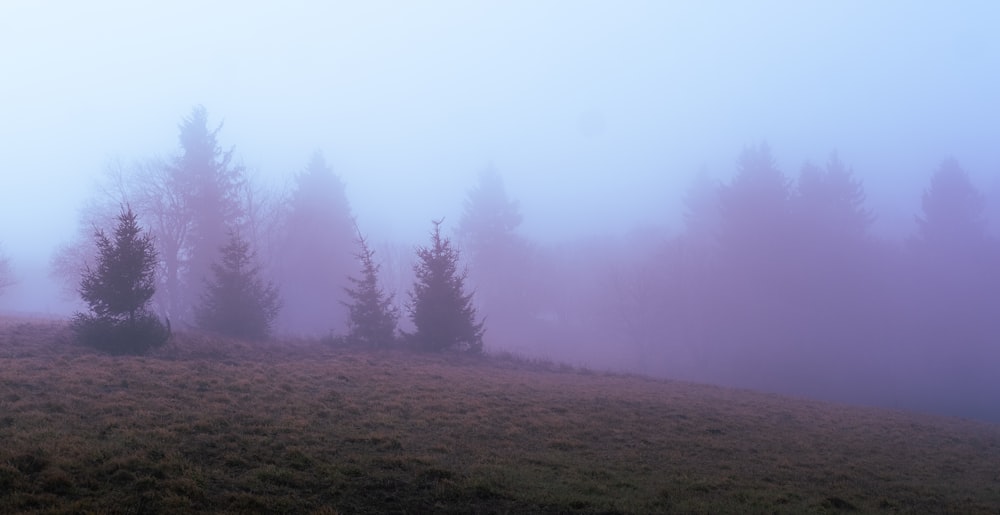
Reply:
x=775 y=282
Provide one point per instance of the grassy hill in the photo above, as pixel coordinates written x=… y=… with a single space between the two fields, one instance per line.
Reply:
x=208 y=424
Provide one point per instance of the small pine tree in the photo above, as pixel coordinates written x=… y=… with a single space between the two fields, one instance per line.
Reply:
x=371 y=314
x=237 y=301
x=439 y=307
x=118 y=291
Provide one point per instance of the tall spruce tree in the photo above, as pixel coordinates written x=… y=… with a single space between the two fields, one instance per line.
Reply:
x=490 y=218
x=831 y=202
x=754 y=208
x=237 y=301
x=207 y=181
x=439 y=307
x=118 y=290
x=954 y=220
x=316 y=251
x=503 y=265
x=372 y=316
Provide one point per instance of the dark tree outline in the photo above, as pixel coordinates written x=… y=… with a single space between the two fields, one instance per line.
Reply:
x=441 y=311
x=237 y=302
x=119 y=290
x=372 y=316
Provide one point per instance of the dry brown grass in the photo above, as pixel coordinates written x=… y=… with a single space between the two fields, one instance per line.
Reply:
x=207 y=424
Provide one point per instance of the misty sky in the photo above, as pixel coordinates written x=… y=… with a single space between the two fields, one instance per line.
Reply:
x=596 y=113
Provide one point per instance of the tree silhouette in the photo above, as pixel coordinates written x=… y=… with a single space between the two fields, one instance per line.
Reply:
x=751 y=287
x=371 y=314
x=490 y=216
x=118 y=291
x=503 y=265
x=237 y=301
x=207 y=184
x=953 y=220
x=6 y=274
x=315 y=252
x=754 y=207
x=755 y=223
x=439 y=307
x=951 y=291
x=831 y=201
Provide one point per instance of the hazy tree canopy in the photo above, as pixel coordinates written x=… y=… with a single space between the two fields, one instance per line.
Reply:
x=118 y=290
x=754 y=206
x=440 y=309
x=701 y=210
x=208 y=182
x=372 y=316
x=503 y=267
x=952 y=284
x=953 y=212
x=6 y=273
x=237 y=301
x=316 y=252
x=831 y=201
x=755 y=224
x=490 y=217
x=831 y=250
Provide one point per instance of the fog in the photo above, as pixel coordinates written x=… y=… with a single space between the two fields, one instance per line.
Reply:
x=597 y=121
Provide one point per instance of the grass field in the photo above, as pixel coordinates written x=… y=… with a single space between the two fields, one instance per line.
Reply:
x=211 y=425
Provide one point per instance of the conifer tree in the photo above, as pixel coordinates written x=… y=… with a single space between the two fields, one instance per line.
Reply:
x=439 y=307
x=237 y=301
x=953 y=220
x=311 y=269
x=118 y=291
x=371 y=314
x=503 y=264
x=490 y=218
x=205 y=181
x=6 y=275
x=830 y=202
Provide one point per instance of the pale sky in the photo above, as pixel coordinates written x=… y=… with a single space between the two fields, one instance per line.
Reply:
x=597 y=114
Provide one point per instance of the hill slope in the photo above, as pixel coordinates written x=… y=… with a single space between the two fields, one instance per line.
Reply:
x=223 y=426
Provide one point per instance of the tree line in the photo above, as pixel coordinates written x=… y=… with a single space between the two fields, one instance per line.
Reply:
x=184 y=247
x=780 y=284
x=773 y=281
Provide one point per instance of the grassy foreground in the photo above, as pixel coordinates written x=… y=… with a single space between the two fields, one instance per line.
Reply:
x=220 y=426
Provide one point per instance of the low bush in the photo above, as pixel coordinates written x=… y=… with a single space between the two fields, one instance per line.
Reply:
x=115 y=336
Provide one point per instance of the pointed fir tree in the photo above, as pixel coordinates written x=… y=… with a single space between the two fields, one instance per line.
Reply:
x=372 y=316
x=237 y=301
x=503 y=264
x=440 y=309
x=490 y=218
x=312 y=270
x=954 y=220
x=831 y=201
x=754 y=233
x=118 y=291
x=206 y=181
